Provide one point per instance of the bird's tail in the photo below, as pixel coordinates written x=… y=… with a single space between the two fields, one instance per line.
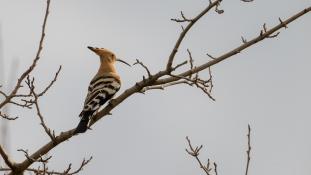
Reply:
x=82 y=126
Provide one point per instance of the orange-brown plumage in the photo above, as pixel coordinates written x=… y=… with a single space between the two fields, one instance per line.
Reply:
x=107 y=61
x=102 y=87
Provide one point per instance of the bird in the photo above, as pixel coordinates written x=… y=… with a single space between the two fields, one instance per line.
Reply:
x=105 y=84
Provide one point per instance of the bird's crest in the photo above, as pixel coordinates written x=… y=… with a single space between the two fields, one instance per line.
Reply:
x=104 y=53
x=107 y=54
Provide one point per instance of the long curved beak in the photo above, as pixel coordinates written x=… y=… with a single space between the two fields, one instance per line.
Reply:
x=122 y=61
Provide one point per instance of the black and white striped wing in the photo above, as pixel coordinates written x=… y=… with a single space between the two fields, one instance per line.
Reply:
x=100 y=91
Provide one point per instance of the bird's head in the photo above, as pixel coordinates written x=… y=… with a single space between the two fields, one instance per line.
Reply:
x=104 y=54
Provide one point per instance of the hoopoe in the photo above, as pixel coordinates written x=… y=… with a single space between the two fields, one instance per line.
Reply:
x=102 y=88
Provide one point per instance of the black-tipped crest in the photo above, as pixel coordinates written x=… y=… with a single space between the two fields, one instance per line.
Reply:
x=91 y=48
x=102 y=52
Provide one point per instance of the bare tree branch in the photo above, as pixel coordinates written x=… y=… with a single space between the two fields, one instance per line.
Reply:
x=35 y=100
x=145 y=67
x=215 y=168
x=40 y=159
x=6 y=158
x=154 y=80
x=23 y=103
x=243 y=40
x=43 y=150
x=4 y=94
x=184 y=19
x=84 y=162
x=209 y=55
x=205 y=85
x=163 y=86
x=219 y=11
x=32 y=66
x=5 y=116
x=248 y=149
x=47 y=130
x=27 y=100
x=194 y=152
x=236 y=50
x=283 y=24
x=51 y=83
x=45 y=170
x=185 y=30
x=190 y=61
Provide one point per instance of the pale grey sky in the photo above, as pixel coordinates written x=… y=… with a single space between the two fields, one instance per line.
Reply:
x=267 y=85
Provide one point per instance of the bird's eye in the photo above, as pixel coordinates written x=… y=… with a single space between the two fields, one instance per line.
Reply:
x=112 y=55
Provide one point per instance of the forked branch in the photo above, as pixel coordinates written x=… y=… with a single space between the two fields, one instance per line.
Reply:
x=32 y=66
x=194 y=152
x=236 y=50
x=186 y=29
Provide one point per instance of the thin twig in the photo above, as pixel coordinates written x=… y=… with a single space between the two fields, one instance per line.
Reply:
x=283 y=24
x=40 y=159
x=163 y=86
x=274 y=35
x=51 y=83
x=184 y=19
x=209 y=55
x=205 y=85
x=243 y=40
x=48 y=131
x=4 y=94
x=31 y=86
x=248 y=149
x=215 y=168
x=26 y=100
x=190 y=61
x=179 y=65
x=195 y=153
x=219 y=11
x=26 y=103
x=210 y=80
x=5 y=116
x=144 y=66
x=84 y=162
